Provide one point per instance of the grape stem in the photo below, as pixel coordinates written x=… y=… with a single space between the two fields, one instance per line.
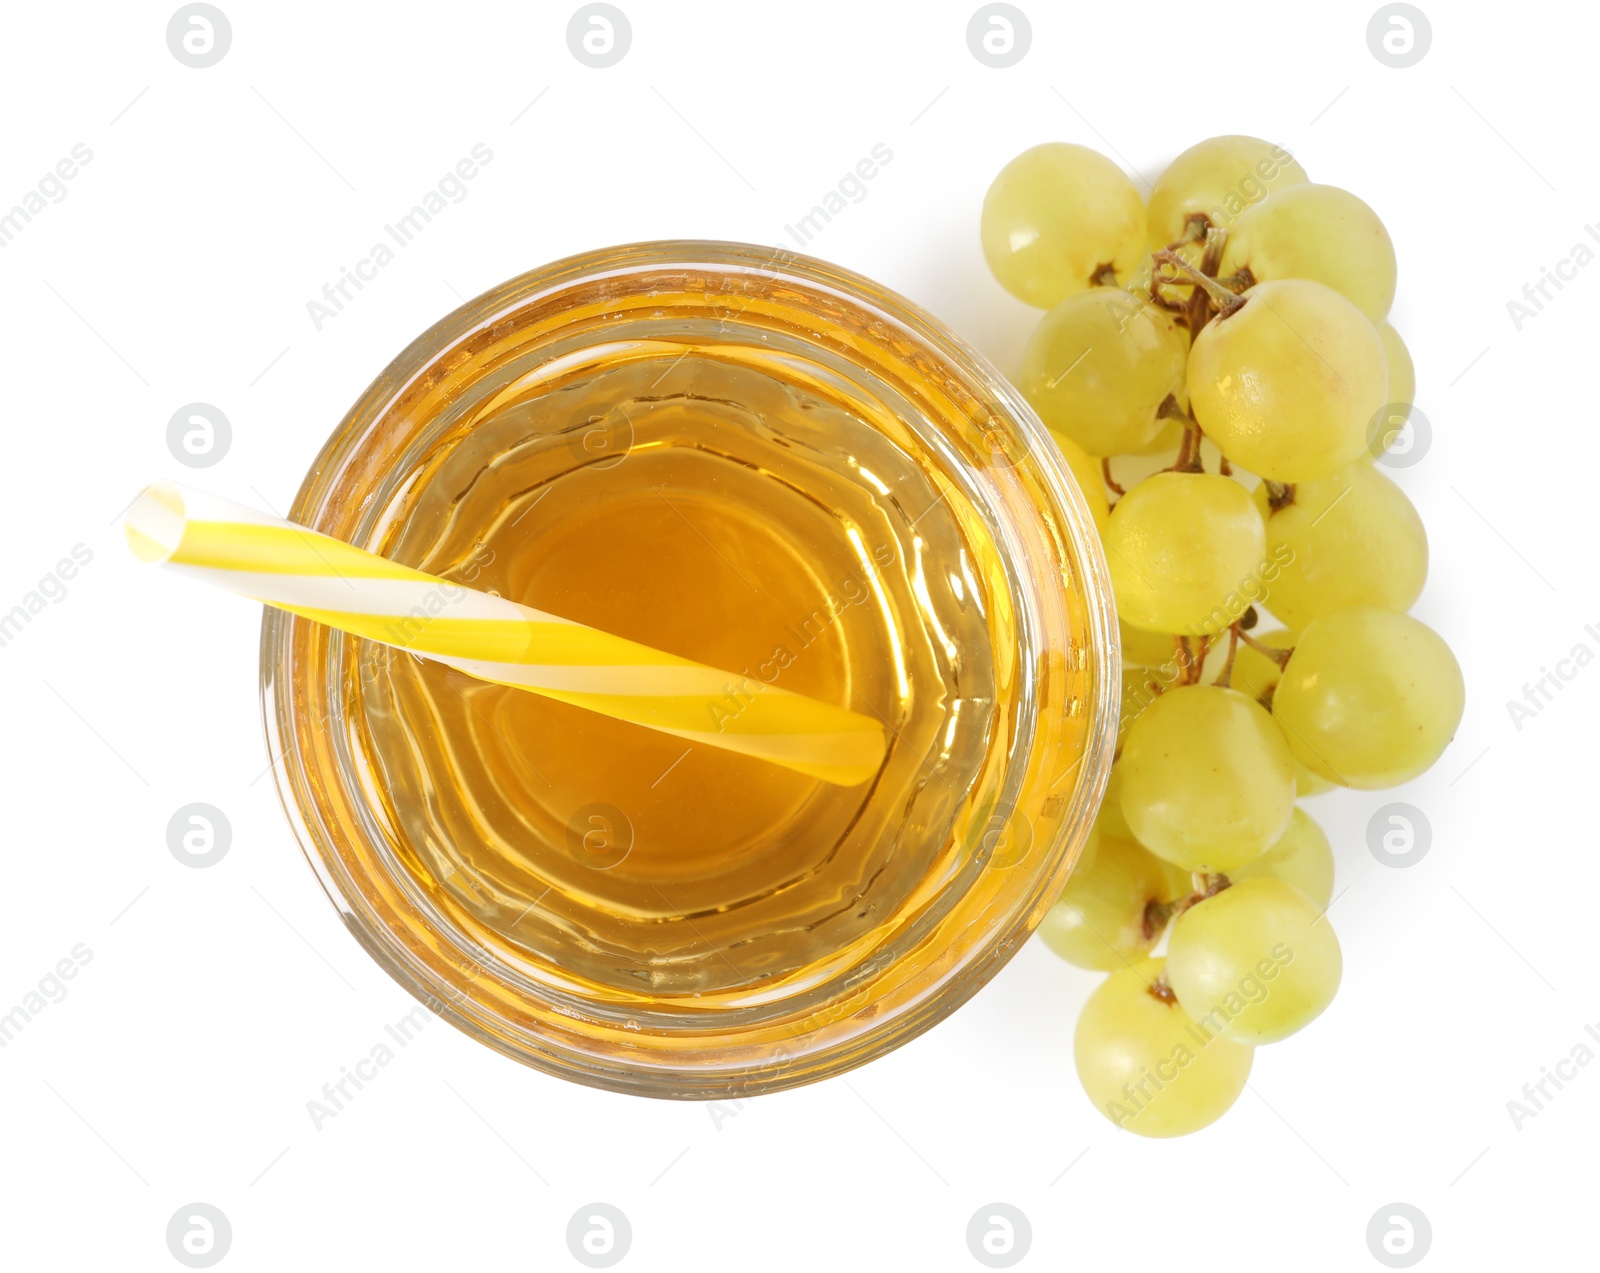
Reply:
x=1105 y=470
x=1224 y=301
x=1280 y=657
x=1200 y=305
x=1241 y=280
x=1189 y=459
x=1206 y=886
x=1190 y=660
x=1157 y=915
x=1195 y=228
x=1225 y=677
x=1279 y=494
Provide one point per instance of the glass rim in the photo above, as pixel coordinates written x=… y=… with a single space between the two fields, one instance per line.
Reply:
x=1081 y=547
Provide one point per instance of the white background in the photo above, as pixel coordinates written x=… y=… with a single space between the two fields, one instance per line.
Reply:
x=219 y=1001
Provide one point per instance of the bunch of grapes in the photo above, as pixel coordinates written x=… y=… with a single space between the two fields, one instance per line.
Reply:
x=1233 y=327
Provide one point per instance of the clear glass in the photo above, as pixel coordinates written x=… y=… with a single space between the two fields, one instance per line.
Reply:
x=733 y=1019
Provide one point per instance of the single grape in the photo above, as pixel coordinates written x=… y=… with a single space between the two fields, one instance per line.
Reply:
x=1349 y=539
x=1099 y=366
x=1140 y=687
x=1207 y=781
x=1370 y=698
x=1402 y=392
x=1099 y=919
x=1320 y=233
x=1218 y=179
x=1309 y=783
x=1181 y=548
x=1145 y=1065
x=1145 y=649
x=1255 y=962
x=1257 y=675
x=1057 y=219
x=1091 y=480
x=1109 y=824
x=1287 y=384
x=1402 y=371
x=1254 y=673
x=1301 y=857
x=1167 y=441
x=1137 y=280
x=1109 y=821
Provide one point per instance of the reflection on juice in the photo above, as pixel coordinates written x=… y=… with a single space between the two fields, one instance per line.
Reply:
x=699 y=502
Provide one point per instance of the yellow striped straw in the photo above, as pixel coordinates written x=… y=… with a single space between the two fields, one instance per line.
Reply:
x=324 y=579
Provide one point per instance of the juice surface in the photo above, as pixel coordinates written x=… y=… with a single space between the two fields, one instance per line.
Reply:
x=706 y=505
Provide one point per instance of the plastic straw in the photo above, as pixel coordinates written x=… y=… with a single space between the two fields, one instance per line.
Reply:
x=326 y=580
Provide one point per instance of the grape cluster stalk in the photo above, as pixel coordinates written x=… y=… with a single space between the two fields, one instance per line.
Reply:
x=1234 y=325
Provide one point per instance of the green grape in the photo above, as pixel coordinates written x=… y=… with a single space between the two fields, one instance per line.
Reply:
x=1320 y=233
x=1255 y=962
x=1167 y=441
x=1170 y=433
x=1091 y=480
x=1145 y=1065
x=1207 y=781
x=1140 y=688
x=1056 y=219
x=1257 y=675
x=1253 y=672
x=1219 y=179
x=1308 y=783
x=1109 y=821
x=1144 y=649
x=1287 y=384
x=1402 y=391
x=1370 y=698
x=1099 y=919
x=1109 y=824
x=1137 y=281
x=1301 y=857
x=1349 y=539
x=1100 y=364
x=1181 y=546
x=1402 y=371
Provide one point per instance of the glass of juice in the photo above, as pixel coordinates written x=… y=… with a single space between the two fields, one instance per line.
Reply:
x=770 y=465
